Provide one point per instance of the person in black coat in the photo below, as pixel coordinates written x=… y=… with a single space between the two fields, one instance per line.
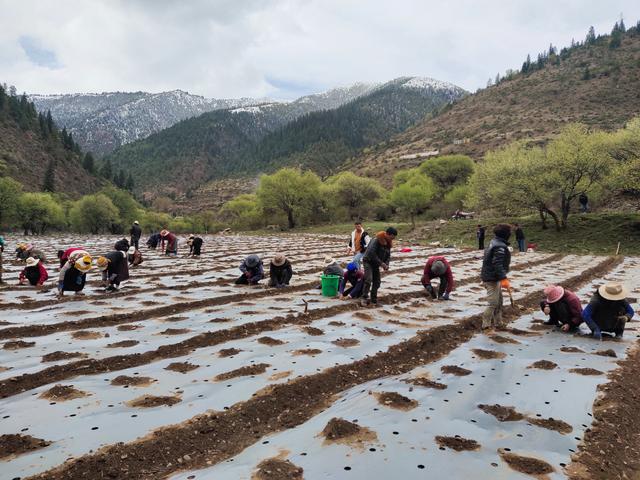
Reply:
x=136 y=233
x=153 y=241
x=480 y=236
x=520 y=238
x=280 y=271
x=495 y=267
x=115 y=269
x=377 y=255
x=195 y=245
x=122 y=245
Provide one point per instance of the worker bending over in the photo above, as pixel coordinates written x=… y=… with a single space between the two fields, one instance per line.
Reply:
x=438 y=267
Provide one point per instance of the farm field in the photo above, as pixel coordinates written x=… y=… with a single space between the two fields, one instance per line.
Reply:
x=184 y=375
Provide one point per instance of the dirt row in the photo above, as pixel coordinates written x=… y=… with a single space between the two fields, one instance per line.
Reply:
x=610 y=449
x=56 y=373
x=39 y=330
x=211 y=438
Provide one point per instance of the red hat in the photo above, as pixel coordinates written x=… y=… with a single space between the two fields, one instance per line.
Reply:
x=553 y=293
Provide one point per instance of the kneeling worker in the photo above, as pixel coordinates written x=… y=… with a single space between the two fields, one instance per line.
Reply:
x=438 y=267
x=280 y=271
x=563 y=308
x=608 y=310
x=252 y=271
x=34 y=273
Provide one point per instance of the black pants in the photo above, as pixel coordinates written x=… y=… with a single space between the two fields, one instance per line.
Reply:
x=481 y=244
x=371 y=281
x=282 y=278
x=243 y=280
x=135 y=242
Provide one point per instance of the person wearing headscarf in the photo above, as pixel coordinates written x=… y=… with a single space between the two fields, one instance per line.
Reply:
x=115 y=269
x=134 y=256
x=195 y=245
x=352 y=275
x=26 y=250
x=280 y=271
x=438 y=267
x=73 y=275
x=377 y=256
x=63 y=255
x=495 y=267
x=34 y=273
x=252 y=271
x=608 y=310
x=171 y=241
x=563 y=308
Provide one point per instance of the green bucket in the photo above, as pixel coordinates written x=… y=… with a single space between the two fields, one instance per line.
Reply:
x=330 y=284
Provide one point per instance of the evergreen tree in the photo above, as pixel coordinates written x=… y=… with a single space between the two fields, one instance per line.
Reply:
x=621 y=26
x=106 y=171
x=89 y=163
x=49 y=184
x=526 y=66
x=120 y=179
x=130 y=183
x=50 y=124
x=497 y=78
x=587 y=74
x=616 y=39
x=591 y=36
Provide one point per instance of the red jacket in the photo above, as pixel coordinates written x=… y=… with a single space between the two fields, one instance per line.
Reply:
x=172 y=243
x=574 y=307
x=44 y=275
x=427 y=275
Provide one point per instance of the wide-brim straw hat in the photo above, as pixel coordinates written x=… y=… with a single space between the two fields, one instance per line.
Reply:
x=613 y=291
x=329 y=260
x=553 y=293
x=83 y=264
x=131 y=250
x=32 y=262
x=102 y=263
x=279 y=259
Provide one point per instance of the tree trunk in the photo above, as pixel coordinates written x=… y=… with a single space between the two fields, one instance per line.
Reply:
x=543 y=218
x=413 y=221
x=290 y=219
x=565 y=208
x=556 y=220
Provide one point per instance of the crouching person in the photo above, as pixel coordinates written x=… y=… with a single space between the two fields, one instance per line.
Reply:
x=64 y=255
x=34 y=273
x=171 y=242
x=354 y=276
x=280 y=271
x=195 y=245
x=438 y=267
x=134 y=256
x=115 y=269
x=608 y=311
x=563 y=308
x=73 y=275
x=252 y=271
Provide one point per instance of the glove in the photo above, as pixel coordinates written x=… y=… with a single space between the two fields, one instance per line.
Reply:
x=431 y=291
x=597 y=335
x=504 y=283
x=445 y=296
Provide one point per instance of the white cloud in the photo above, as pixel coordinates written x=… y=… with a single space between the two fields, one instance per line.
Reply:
x=280 y=48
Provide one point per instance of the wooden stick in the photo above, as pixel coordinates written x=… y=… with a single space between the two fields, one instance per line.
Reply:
x=306 y=306
x=618 y=249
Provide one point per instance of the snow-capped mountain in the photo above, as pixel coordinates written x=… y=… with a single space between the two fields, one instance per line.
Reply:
x=101 y=122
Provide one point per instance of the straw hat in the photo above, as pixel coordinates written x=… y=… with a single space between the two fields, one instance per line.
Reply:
x=438 y=268
x=553 y=293
x=131 y=250
x=102 y=263
x=613 y=291
x=329 y=260
x=83 y=264
x=279 y=259
x=32 y=262
x=136 y=222
x=252 y=261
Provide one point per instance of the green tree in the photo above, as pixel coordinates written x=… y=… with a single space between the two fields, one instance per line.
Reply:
x=130 y=185
x=107 y=171
x=93 y=213
x=291 y=192
x=128 y=208
x=154 y=221
x=39 y=211
x=448 y=170
x=243 y=212
x=89 y=163
x=591 y=36
x=10 y=191
x=49 y=182
x=357 y=195
x=413 y=196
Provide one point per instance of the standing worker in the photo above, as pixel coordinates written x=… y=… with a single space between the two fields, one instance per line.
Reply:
x=73 y=275
x=358 y=243
x=495 y=267
x=115 y=269
x=1 y=250
x=584 y=202
x=377 y=255
x=480 y=236
x=172 y=243
x=136 y=233
x=280 y=271
x=438 y=267
x=520 y=238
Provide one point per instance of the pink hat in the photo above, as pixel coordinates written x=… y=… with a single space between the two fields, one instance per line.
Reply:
x=553 y=293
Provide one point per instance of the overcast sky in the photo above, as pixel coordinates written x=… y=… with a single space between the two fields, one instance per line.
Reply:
x=280 y=48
